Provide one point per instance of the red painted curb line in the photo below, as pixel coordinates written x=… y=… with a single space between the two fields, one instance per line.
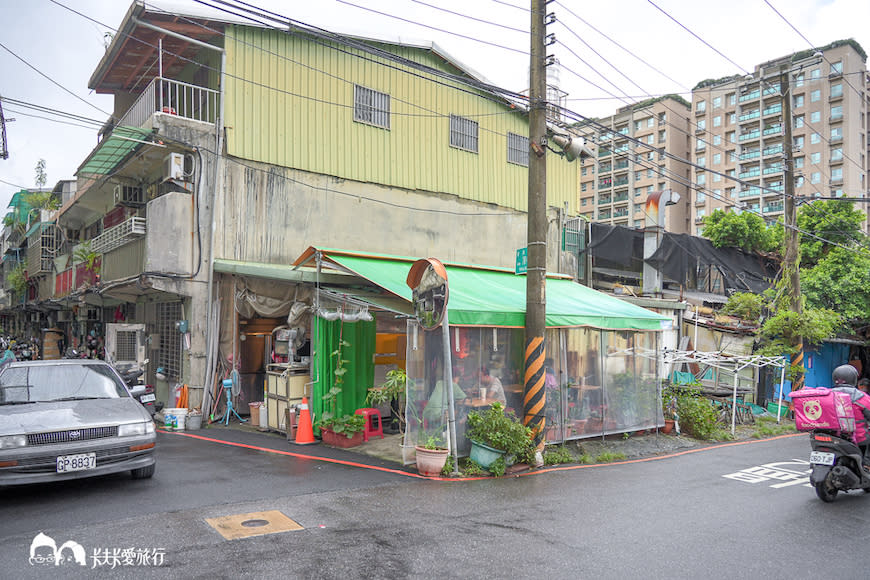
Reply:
x=456 y=480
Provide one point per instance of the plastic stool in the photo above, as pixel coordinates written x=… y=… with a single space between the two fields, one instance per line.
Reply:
x=374 y=425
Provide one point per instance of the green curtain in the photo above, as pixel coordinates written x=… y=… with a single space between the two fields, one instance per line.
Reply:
x=360 y=367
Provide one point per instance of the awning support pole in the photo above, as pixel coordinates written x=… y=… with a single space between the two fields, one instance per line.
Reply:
x=448 y=384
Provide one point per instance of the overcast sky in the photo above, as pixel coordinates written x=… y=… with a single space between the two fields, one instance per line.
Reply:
x=646 y=40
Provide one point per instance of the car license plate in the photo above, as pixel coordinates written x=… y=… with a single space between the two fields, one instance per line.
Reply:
x=821 y=458
x=147 y=398
x=78 y=462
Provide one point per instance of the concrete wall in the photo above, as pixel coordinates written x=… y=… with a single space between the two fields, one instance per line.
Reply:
x=270 y=214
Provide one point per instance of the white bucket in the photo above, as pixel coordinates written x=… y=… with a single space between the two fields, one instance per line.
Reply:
x=175 y=418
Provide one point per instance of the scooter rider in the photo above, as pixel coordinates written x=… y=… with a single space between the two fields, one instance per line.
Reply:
x=845 y=379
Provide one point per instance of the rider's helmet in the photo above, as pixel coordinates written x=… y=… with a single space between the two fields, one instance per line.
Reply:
x=845 y=375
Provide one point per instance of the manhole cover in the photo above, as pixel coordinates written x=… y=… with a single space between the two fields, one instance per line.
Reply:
x=248 y=525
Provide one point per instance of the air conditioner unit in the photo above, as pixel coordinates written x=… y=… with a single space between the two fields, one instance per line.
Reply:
x=129 y=196
x=173 y=166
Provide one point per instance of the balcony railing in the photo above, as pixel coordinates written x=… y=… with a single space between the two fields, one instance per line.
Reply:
x=772 y=110
x=750 y=115
x=749 y=155
x=751 y=135
x=773 y=130
x=772 y=150
x=175 y=98
x=751 y=173
x=750 y=192
x=773 y=169
x=117 y=236
x=773 y=207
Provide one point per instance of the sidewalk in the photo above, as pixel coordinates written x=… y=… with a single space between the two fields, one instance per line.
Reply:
x=386 y=452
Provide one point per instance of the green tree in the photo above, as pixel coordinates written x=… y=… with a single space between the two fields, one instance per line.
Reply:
x=839 y=281
x=744 y=305
x=824 y=223
x=745 y=230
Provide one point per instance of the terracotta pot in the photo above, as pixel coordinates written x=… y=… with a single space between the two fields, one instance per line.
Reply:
x=431 y=461
x=669 y=426
x=340 y=439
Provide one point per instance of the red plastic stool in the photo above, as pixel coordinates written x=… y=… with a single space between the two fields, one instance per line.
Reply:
x=374 y=425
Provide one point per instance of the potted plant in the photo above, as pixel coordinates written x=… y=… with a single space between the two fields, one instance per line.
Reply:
x=431 y=456
x=498 y=437
x=392 y=388
x=345 y=430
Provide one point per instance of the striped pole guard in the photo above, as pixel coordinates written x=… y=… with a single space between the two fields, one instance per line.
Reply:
x=797 y=360
x=534 y=394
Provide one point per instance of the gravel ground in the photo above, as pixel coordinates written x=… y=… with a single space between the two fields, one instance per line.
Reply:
x=648 y=444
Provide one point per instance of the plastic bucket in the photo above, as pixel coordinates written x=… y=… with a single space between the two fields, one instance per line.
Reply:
x=264 y=418
x=175 y=418
x=194 y=422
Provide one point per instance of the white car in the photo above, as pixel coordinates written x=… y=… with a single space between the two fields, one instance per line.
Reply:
x=68 y=419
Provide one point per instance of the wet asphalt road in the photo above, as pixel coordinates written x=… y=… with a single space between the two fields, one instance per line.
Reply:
x=737 y=511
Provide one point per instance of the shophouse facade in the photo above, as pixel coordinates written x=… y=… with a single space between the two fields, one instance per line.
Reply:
x=232 y=148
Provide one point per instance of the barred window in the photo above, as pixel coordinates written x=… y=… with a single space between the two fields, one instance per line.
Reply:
x=463 y=133
x=518 y=149
x=371 y=107
x=169 y=354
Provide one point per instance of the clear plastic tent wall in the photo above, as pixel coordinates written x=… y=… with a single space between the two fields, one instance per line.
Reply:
x=598 y=382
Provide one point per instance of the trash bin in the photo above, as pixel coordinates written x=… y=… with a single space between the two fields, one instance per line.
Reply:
x=290 y=423
x=254 y=409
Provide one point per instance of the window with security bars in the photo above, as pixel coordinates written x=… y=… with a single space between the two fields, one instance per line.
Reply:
x=169 y=354
x=371 y=107
x=518 y=149
x=463 y=133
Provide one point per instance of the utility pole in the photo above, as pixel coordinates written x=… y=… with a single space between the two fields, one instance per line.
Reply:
x=534 y=398
x=791 y=260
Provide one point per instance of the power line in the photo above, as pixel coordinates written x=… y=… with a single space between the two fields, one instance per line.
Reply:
x=508 y=48
x=704 y=42
x=48 y=78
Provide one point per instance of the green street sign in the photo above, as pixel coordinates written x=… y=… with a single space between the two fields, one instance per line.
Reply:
x=522 y=261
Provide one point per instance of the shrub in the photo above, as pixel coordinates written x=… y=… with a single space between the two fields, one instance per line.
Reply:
x=697 y=414
x=502 y=431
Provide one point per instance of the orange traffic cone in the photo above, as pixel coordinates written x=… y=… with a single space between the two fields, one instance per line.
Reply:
x=304 y=431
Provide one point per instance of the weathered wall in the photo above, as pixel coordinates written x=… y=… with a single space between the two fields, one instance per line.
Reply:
x=272 y=215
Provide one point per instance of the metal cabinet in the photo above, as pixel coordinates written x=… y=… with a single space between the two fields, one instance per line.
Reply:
x=285 y=387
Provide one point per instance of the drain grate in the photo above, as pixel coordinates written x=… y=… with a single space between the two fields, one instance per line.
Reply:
x=254 y=524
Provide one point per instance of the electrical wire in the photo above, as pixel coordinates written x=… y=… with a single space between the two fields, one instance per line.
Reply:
x=51 y=80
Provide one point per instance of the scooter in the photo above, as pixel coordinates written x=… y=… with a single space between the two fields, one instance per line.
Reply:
x=838 y=465
x=145 y=394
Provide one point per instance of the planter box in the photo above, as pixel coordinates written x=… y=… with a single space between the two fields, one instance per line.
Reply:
x=340 y=439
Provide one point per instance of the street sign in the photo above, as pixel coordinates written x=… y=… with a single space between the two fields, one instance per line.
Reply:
x=522 y=261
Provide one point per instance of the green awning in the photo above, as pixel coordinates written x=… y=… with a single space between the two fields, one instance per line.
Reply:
x=112 y=150
x=482 y=296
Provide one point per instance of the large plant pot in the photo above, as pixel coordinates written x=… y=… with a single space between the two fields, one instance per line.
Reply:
x=431 y=461
x=340 y=439
x=669 y=426
x=484 y=455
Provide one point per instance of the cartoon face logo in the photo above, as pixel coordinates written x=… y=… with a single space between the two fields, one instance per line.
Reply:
x=812 y=409
x=44 y=550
